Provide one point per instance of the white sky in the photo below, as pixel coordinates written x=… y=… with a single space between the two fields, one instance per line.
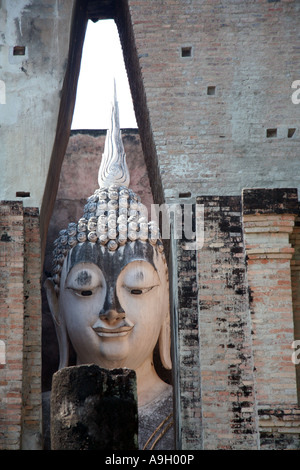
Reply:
x=102 y=61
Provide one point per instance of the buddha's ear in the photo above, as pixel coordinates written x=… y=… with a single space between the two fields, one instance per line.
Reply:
x=60 y=327
x=52 y=300
x=164 y=342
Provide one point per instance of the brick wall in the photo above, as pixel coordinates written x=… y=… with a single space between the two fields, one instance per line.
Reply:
x=185 y=325
x=12 y=322
x=295 y=280
x=32 y=341
x=234 y=325
x=268 y=220
x=214 y=372
x=271 y=240
x=217 y=142
x=20 y=316
x=279 y=427
x=226 y=364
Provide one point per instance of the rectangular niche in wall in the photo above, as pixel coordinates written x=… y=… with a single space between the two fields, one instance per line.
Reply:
x=185 y=194
x=186 y=51
x=291 y=132
x=211 y=90
x=19 y=50
x=22 y=194
x=271 y=133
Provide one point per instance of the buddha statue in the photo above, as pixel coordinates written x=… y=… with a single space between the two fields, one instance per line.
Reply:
x=109 y=293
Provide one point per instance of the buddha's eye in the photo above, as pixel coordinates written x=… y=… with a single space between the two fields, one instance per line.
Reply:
x=136 y=291
x=138 y=279
x=82 y=293
x=85 y=280
x=86 y=293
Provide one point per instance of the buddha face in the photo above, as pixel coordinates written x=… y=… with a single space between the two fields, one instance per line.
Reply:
x=113 y=305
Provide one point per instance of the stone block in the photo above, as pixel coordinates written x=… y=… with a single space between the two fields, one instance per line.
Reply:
x=94 y=409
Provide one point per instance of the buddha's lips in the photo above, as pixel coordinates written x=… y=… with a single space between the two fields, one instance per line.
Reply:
x=111 y=332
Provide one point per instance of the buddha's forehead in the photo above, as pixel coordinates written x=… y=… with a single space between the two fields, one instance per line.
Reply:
x=110 y=261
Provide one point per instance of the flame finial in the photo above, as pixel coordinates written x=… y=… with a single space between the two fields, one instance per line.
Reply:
x=113 y=168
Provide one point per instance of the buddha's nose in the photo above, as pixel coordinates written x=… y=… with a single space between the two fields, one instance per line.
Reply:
x=112 y=309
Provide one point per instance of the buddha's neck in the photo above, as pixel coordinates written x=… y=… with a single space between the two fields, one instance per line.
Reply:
x=149 y=384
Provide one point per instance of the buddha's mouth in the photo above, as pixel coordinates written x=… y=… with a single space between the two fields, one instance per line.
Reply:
x=113 y=332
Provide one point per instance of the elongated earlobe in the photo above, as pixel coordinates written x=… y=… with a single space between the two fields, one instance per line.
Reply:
x=60 y=327
x=164 y=343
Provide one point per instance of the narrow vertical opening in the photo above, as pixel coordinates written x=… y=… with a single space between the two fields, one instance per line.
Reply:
x=102 y=63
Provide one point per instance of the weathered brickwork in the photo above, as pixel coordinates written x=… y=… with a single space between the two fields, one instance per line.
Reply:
x=279 y=428
x=187 y=367
x=235 y=298
x=226 y=364
x=12 y=322
x=270 y=241
x=216 y=139
x=268 y=265
x=295 y=279
x=20 y=319
x=32 y=367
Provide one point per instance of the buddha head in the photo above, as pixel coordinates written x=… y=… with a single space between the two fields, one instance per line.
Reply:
x=109 y=292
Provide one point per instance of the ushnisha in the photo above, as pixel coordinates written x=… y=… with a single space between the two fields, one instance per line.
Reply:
x=112 y=216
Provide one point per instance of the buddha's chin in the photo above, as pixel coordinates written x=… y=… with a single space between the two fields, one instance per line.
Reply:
x=109 y=357
x=117 y=362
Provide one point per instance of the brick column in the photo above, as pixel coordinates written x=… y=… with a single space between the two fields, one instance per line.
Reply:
x=226 y=361
x=11 y=322
x=32 y=340
x=20 y=327
x=295 y=275
x=186 y=360
x=268 y=220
